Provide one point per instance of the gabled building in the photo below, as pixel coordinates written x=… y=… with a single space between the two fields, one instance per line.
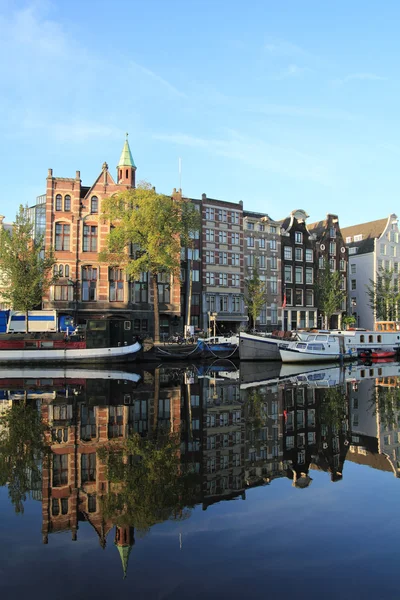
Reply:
x=298 y=254
x=330 y=246
x=262 y=249
x=86 y=287
x=371 y=246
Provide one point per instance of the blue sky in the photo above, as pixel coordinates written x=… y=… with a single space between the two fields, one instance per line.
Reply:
x=283 y=105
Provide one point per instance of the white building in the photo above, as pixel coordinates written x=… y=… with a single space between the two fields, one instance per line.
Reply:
x=372 y=246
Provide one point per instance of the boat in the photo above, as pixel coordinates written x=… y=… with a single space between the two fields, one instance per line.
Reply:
x=263 y=346
x=377 y=354
x=320 y=347
x=103 y=341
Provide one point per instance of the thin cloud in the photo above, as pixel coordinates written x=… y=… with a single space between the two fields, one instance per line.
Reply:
x=293 y=71
x=155 y=77
x=359 y=77
x=276 y=47
x=285 y=161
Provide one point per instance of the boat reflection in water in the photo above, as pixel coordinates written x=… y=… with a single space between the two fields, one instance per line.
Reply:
x=125 y=451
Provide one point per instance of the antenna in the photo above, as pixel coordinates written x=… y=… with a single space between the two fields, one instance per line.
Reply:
x=180 y=172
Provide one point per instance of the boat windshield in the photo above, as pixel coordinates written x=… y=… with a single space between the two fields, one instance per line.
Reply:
x=322 y=338
x=310 y=338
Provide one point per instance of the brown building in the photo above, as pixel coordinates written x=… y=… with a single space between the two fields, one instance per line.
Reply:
x=330 y=246
x=86 y=287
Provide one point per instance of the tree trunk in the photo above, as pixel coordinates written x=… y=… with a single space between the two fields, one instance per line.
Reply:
x=189 y=303
x=156 y=309
x=27 y=321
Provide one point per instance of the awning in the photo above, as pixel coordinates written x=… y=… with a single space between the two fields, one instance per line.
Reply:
x=238 y=318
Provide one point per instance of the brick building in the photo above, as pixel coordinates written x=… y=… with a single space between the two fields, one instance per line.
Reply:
x=75 y=229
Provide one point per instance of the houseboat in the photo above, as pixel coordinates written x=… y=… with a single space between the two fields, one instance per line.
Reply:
x=258 y=346
x=103 y=341
x=319 y=347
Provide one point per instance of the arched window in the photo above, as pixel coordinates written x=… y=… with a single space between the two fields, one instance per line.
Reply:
x=61 y=271
x=94 y=205
x=58 y=202
x=66 y=270
x=127 y=174
x=89 y=283
x=67 y=202
x=62 y=236
x=55 y=270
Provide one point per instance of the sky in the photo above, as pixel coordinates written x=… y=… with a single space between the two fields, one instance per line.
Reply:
x=283 y=105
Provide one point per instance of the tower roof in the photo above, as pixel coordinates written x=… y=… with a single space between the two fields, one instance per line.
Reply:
x=124 y=552
x=126 y=159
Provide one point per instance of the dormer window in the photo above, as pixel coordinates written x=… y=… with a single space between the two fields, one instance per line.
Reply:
x=94 y=205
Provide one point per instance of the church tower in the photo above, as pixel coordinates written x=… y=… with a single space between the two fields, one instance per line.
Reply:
x=126 y=168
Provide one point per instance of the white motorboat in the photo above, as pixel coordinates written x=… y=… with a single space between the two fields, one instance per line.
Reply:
x=320 y=347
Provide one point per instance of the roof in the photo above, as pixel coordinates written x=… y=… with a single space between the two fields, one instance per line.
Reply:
x=126 y=159
x=375 y=461
x=370 y=231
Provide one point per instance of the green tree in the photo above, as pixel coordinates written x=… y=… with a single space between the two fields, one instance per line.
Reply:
x=145 y=235
x=22 y=448
x=328 y=292
x=384 y=296
x=256 y=295
x=149 y=485
x=25 y=265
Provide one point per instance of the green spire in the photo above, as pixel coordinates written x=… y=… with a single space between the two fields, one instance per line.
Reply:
x=126 y=159
x=124 y=552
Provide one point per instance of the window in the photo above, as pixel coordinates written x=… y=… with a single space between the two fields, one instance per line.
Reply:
x=396 y=267
x=274 y=263
x=309 y=255
x=89 y=284
x=261 y=243
x=309 y=275
x=332 y=264
x=299 y=297
x=195 y=275
x=223 y=237
x=250 y=226
x=298 y=254
x=140 y=289
x=272 y=229
x=250 y=242
x=342 y=265
x=321 y=262
x=353 y=284
x=298 y=274
x=262 y=261
x=88 y=423
x=67 y=203
x=90 y=238
x=274 y=316
x=116 y=285
x=210 y=301
x=210 y=214
x=210 y=278
x=311 y=319
x=223 y=279
x=343 y=282
x=235 y=218
x=235 y=238
x=236 y=304
x=235 y=280
x=209 y=235
x=88 y=467
x=352 y=250
x=223 y=258
x=164 y=287
x=62 y=236
x=287 y=253
x=261 y=227
x=309 y=298
x=235 y=260
x=63 y=292
x=94 y=205
x=195 y=299
x=193 y=254
x=348 y=240
x=274 y=285
x=288 y=274
x=92 y=505
x=298 y=237
x=332 y=248
x=272 y=244
x=332 y=232
x=383 y=249
x=210 y=258
x=58 y=202
x=358 y=238
x=353 y=269
x=289 y=296
x=223 y=304
x=223 y=215
x=60 y=469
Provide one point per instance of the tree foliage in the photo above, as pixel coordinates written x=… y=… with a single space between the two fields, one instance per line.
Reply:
x=328 y=293
x=256 y=295
x=146 y=233
x=149 y=484
x=383 y=295
x=25 y=266
x=22 y=448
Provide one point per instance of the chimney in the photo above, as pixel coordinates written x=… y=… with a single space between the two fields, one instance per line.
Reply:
x=204 y=197
x=50 y=173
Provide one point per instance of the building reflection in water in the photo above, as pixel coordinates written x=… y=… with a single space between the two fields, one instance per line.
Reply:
x=234 y=431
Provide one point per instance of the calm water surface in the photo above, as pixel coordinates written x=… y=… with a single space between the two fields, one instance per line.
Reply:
x=201 y=482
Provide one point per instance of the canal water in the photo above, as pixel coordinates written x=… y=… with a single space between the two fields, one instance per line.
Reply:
x=200 y=481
